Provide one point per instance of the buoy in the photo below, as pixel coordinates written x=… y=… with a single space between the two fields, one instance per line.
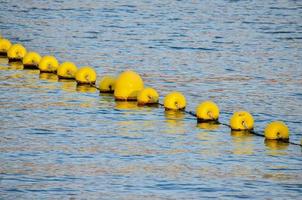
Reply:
x=276 y=130
x=67 y=70
x=207 y=111
x=5 y=44
x=242 y=120
x=86 y=75
x=31 y=60
x=48 y=64
x=147 y=96
x=107 y=84
x=16 y=52
x=175 y=101
x=127 y=86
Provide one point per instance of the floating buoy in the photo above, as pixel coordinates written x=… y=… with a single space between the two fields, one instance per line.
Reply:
x=276 y=130
x=5 y=44
x=127 y=86
x=16 y=52
x=207 y=111
x=48 y=64
x=242 y=120
x=86 y=75
x=147 y=96
x=175 y=101
x=107 y=84
x=67 y=70
x=31 y=60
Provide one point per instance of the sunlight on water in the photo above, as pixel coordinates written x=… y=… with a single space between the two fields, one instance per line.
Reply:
x=60 y=140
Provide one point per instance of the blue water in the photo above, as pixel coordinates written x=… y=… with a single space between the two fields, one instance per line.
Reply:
x=59 y=141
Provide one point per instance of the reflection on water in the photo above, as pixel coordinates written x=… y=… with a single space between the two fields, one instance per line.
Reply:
x=63 y=141
x=86 y=88
x=68 y=85
x=276 y=147
x=242 y=142
x=210 y=126
x=49 y=77
x=126 y=105
x=16 y=65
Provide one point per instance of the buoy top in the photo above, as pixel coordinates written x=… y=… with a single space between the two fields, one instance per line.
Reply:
x=175 y=101
x=31 y=58
x=67 y=70
x=127 y=86
x=86 y=75
x=5 y=44
x=48 y=64
x=242 y=120
x=147 y=96
x=207 y=111
x=16 y=51
x=107 y=84
x=276 y=130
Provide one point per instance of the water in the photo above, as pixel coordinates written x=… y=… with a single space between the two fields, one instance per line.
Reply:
x=58 y=141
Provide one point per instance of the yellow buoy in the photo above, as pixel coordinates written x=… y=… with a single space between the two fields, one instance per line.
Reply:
x=242 y=120
x=276 y=130
x=86 y=75
x=127 y=86
x=5 y=44
x=31 y=60
x=67 y=70
x=175 y=101
x=16 y=52
x=147 y=96
x=107 y=84
x=207 y=111
x=48 y=64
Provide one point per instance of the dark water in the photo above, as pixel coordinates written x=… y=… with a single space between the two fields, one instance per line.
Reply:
x=62 y=142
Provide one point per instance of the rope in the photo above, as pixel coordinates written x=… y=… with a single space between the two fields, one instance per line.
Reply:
x=243 y=123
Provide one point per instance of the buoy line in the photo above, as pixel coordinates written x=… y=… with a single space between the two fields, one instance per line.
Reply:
x=129 y=86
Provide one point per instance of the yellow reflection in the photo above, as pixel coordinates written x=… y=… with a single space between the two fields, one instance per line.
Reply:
x=208 y=125
x=68 y=85
x=242 y=141
x=126 y=105
x=49 y=76
x=108 y=97
x=5 y=68
x=16 y=65
x=86 y=88
x=3 y=60
x=276 y=145
x=174 y=120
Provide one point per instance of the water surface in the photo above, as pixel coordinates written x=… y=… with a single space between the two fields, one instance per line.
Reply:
x=62 y=141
